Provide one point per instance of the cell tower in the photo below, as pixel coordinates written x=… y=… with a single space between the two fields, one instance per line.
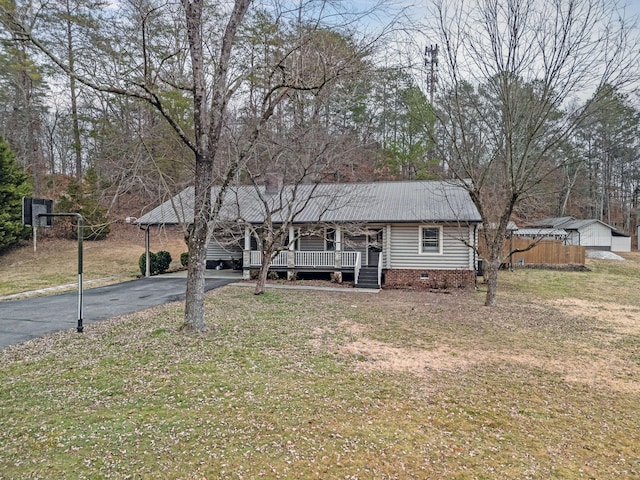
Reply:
x=431 y=61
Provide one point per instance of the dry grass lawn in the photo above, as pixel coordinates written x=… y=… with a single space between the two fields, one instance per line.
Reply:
x=55 y=261
x=336 y=385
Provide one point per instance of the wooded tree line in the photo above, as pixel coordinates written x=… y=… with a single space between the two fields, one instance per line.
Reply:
x=340 y=110
x=371 y=123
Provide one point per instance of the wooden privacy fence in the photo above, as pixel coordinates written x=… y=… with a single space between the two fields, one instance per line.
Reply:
x=547 y=252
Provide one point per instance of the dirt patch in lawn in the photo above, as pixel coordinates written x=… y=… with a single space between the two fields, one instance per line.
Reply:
x=607 y=372
x=588 y=354
x=375 y=355
x=622 y=319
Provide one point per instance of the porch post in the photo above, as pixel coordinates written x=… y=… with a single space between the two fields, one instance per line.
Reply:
x=291 y=254
x=246 y=254
x=338 y=251
x=292 y=237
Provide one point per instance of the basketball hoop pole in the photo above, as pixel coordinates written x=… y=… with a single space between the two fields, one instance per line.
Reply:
x=80 y=327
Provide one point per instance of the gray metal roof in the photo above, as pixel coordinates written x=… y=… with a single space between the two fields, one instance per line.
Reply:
x=380 y=202
x=569 y=223
x=540 y=232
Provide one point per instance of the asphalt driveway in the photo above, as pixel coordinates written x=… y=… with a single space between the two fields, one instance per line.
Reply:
x=22 y=320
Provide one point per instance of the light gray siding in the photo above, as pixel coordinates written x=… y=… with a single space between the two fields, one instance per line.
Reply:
x=405 y=243
x=215 y=251
x=620 y=244
x=355 y=243
x=311 y=243
x=596 y=235
x=349 y=243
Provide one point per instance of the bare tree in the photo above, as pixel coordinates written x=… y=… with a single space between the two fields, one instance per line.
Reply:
x=211 y=88
x=280 y=206
x=206 y=64
x=509 y=72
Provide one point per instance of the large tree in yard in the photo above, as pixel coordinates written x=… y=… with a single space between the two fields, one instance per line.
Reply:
x=162 y=52
x=517 y=78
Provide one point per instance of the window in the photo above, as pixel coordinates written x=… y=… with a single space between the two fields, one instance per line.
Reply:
x=296 y=239
x=431 y=240
x=330 y=239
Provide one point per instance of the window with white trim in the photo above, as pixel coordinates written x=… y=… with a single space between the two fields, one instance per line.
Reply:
x=330 y=239
x=431 y=240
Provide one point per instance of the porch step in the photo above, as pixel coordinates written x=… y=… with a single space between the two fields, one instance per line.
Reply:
x=368 y=278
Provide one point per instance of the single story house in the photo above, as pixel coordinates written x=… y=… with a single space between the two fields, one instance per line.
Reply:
x=420 y=234
x=592 y=234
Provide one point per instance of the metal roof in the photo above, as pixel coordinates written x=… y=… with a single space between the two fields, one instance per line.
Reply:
x=540 y=232
x=570 y=223
x=379 y=202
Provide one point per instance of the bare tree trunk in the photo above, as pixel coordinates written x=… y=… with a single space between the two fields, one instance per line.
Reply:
x=77 y=150
x=491 y=275
x=197 y=245
x=194 y=308
x=263 y=273
x=208 y=128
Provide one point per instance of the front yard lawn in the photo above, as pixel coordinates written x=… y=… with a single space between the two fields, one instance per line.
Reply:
x=339 y=385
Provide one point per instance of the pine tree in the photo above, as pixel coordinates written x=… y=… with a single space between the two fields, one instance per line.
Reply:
x=14 y=184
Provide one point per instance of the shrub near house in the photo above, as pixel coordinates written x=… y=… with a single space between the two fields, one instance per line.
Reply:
x=158 y=262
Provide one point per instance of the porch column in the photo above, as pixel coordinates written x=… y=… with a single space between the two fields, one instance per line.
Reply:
x=291 y=254
x=246 y=254
x=338 y=251
x=292 y=238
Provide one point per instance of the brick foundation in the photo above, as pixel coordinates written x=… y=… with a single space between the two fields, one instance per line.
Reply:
x=430 y=279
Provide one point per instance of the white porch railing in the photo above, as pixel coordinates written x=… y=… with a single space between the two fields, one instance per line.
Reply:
x=315 y=259
x=350 y=259
x=279 y=261
x=356 y=269
x=310 y=259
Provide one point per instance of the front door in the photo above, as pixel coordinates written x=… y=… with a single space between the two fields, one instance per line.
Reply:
x=374 y=247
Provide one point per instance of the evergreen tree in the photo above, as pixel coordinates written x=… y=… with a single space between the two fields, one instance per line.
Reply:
x=14 y=184
x=83 y=198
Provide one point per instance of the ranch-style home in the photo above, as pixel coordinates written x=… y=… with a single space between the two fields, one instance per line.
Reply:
x=417 y=234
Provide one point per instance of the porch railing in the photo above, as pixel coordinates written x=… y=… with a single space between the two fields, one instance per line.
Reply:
x=356 y=269
x=315 y=259
x=309 y=259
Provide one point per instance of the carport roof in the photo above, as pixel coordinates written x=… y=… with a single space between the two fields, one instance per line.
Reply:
x=571 y=223
x=414 y=201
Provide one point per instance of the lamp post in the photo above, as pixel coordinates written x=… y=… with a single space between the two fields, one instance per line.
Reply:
x=147 y=263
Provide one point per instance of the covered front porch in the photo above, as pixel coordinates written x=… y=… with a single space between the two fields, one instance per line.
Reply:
x=360 y=257
x=336 y=262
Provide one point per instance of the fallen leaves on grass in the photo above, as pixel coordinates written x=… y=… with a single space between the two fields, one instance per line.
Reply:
x=296 y=384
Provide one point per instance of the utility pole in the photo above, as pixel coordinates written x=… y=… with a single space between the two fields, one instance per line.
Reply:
x=431 y=61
